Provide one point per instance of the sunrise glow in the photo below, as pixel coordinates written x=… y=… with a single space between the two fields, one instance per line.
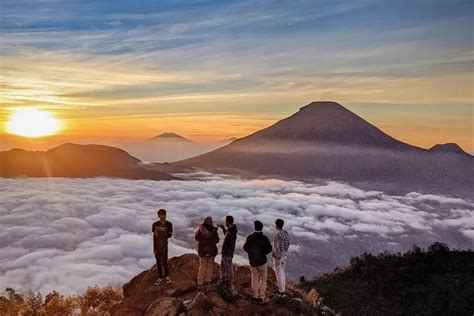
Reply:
x=32 y=122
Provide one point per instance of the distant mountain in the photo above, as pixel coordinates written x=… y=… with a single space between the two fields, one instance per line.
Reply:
x=76 y=161
x=326 y=140
x=225 y=142
x=170 y=137
x=449 y=148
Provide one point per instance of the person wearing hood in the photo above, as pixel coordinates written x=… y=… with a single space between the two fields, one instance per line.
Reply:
x=228 y=248
x=207 y=238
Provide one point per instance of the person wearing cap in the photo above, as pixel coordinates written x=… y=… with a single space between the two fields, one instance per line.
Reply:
x=207 y=238
x=281 y=243
x=162 y=231
x=258 y=246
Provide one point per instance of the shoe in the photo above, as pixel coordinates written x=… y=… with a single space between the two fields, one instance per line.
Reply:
x=279 y=295
x=158 y=281
x=168 y=280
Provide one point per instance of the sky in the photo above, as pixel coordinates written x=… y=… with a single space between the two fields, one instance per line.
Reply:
x=210 y=70
x=67 y=234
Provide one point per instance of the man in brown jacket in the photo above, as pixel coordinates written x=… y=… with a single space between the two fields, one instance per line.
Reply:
x=207 y=238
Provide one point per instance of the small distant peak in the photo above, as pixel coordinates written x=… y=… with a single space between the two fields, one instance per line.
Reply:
x=170 y=136
x=452 y=148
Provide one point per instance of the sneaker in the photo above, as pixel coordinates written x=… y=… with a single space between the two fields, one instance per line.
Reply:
x=280 y=295
x=158 y=281
x=168 y=280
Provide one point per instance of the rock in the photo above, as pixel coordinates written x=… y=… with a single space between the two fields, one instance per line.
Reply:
x=142 y=297
x=165 y=306
x=216 y=300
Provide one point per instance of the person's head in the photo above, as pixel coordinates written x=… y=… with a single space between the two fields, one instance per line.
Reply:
x=162 y=214
x=258 y=226
x=279 y=223
x=229 y=220
x=208 y=221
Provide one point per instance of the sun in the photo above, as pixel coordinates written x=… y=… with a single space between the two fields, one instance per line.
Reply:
x=32 y=122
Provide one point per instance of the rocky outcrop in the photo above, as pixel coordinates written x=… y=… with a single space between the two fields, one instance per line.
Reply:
x=182 y=297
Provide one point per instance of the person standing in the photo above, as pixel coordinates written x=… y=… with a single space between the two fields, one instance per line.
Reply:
x=162 y=231
x=281 y=243
x=228 y=248
x=258 y=246
x=207 y=238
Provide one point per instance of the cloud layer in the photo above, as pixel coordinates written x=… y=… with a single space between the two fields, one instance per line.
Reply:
x=67 y=234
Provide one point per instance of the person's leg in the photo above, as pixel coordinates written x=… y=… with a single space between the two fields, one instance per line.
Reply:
x=223 y=269
x=282 y=283
x=159 y=269
x=263 y=284
x=276 y=267
x=164 y=262
x=201 y=271
x=209 y=269
x=255 y=281
x=231 y=277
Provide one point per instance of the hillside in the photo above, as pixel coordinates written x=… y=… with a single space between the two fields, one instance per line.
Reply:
x=437 y=281
x=76 y=161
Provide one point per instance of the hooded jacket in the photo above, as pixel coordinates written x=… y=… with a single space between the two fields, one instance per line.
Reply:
x=228 y=246
x=258 y=246
x=207 y=238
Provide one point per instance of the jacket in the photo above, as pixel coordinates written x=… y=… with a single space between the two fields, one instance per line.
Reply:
x=207 y=238
x=258 y=246
x=281 y=243
x=228 y=246
x=161 y=233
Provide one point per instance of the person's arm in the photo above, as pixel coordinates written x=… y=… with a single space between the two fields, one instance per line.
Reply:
x=246 y=244
x=198 y=234
x=216 y=236
x=287 y=244
x=277 y=245
x=170 y=230
x=269 y=246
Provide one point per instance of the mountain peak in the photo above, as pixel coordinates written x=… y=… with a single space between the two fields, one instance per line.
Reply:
x=327 y=122
x=450 y=148
x=322 y=106
x=170 y=136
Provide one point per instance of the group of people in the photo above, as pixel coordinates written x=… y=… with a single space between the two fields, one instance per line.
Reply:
x=257 y=246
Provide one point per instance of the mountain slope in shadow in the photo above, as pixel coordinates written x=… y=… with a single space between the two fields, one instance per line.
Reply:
x=325 y=140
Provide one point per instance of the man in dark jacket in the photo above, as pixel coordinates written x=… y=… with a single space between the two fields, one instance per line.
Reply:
x=207 y=238
x=228 y=248
x=258 y=246
x=162 y=230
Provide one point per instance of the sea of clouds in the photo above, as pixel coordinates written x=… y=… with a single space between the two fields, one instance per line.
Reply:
x=66 y=234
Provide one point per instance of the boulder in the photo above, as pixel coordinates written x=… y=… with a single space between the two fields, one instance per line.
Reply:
x=165 y=306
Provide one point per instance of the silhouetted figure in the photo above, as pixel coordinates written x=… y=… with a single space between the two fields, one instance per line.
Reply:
x=162 y=230
x=228 y=248
x=258 y=247
x=207 y=238
x=281 y=243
